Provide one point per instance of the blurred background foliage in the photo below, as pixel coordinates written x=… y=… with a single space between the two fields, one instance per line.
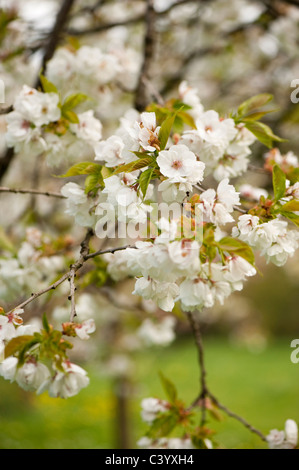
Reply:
x=262 y=387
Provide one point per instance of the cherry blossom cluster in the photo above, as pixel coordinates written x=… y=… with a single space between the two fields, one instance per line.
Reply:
x=223 y=146
x=275 y=241
x=193 y=258
x=208 y=263
x=93 y=71
x=38 y=125
x=175 y=155
x=36 y=358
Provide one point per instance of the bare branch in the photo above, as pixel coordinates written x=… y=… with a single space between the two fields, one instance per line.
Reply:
x=292 y=2
x=109 y=250
x=237 y=417
x=50 y=48
x=72 y=293
x=257 y=169
x=31 y=191
x=5 y=161
x=127 y=22
x=89 y=9
x=104 y=27
x=153 y=91
x=217 y=47
x=203 y=385
x=70 y=275
x=7 y=110
x=54 y=36
x=141 y=97
x=204 y=390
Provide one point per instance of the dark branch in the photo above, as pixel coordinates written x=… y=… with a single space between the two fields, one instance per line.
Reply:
x=54 y=36
x=204 y=390
x=5 y=161
x=104 y=27
x=128 y=22
x=109 y=250
x=50 y=48
x=237 y=417
x=31 y=191
x=7 y=110
x=199 y=345
x=141 y=97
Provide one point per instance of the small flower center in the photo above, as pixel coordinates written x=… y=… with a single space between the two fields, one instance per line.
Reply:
x=177 y=164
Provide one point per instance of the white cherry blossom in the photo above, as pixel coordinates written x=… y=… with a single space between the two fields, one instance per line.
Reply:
x=36 y=107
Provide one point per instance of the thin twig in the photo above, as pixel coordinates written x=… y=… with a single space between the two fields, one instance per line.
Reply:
x=215 y=48
x=109 y=250
x=84 y=256
x=7 y=110
x=204 y=390
x=104 y=27
x=54 y=37
x=72 y=293
x=203 y=384
x=88 y=9
x=153 y=91
x=257 y=169
x=127 y=22
x=31 y=191
x=237 y=417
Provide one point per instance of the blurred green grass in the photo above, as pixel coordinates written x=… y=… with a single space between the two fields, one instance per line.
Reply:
x=263 y=388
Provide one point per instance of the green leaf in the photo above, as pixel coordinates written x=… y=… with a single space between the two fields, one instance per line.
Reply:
x=291 y=206
x=46 y=324
x=180 y=105
x=83 y=168
x=26 y=348
x=163 y=425
x=94 y=180
x=169 y=388
x=255 y=116
x=141 y=154
x=48 y=87
x=291 y=216
x=254 y=103
x=279 y=182
x=144 y=180
x=135 y=165
x=293 y=175
x=165 y=130
x=187 y=119
x=70 y=116
x=160 y=111
x=72 y=101
x=237 y=247
x=16 y=344
x=263 y=133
